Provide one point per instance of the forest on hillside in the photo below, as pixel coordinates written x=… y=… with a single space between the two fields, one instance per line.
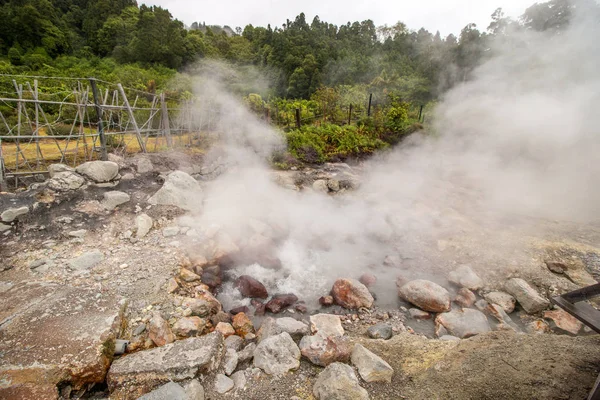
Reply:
x=144 y=47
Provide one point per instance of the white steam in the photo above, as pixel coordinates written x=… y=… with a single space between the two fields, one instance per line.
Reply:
x=519 y=141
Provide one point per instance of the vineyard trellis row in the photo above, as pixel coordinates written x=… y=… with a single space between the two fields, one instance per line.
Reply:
x=46 y=120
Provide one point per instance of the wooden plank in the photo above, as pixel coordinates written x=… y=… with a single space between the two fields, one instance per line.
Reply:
x=138 y=134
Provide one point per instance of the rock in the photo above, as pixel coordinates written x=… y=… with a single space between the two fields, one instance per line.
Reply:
x=99 y=171
x=326 y=324
x=168 y=391
x=250 y=287
x=564 y=321
x=275 y=326
x=180 y=190
x=225 y=328
x=277 y=354
x=333 y=185
x=203 y=306
x=230 y=362
x=504 y=300
x=223 y=384
x=527 y=296
x=240 y=309
x=220 y=317
x=338 y=382
x=239 y=380
x=194 y=390
x=351 y=294
x=54 y=169
x=188 y=276
x=538 y=326
x=574 y=269
x=144 y=165
x=463 y=323
x=87 y=260
x=188 y=326
x=320 y=185
x=4 y=228
x=247 y=353
x=301 y=307
x=449 y=338
x=323 y=350
x=234 y=342
x=160 y=331
x=184 y=359
x=172 y=286
x=242 y=324
x=326 y=300
x=13 y=213
x=505 y=322
x=371 y=367
x=465 y=298
x=211 y=280
x=78 y=233
x=465 y=277
x=368 y=279
x=380 y=331
x=481 y=304
x=139 y=329
x=280 y=301
x=114 y=198
x=418 y=314
x=64 y=181
x=171 y=231
x=143 y=224
x=426 y=295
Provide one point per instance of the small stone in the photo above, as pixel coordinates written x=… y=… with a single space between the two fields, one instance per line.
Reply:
x=144 y=165
x=242 y=324
x=99 y=171
x=465 y=298
x=202 y=306
x=230 y=362
x=418 y=314
x=188 y=276
x=87 y=260
x=465 y=277
x=225 y=328
x=234 y=342
x=280 y=301
x=274 y=326
x=172 y=285
x=239 y=380
x=194 y=390
x=338 y=382
x=380 y=331
x=277 y=354
x=139 y=330
x=426 y=295
x=326 y=300
x=465 y=323
x=241 y=309
x=323 y=350
x=368 y=279
x=504 y=300
x=327 y=324
x=78 y=234
x=247 y=353
x=13 y=213
x=5 y=228
x=538 y=326
x=159 y=331
x=371 y=367
x=143 y=224
x=526 y=295
x=188 y=326
x=320 y=185
x=564 y=321
x=250 y=287
x=168 y=391
x=223 y=384
x=170 y=231
x=351 y=294
x=505 y=322
x=114 y=198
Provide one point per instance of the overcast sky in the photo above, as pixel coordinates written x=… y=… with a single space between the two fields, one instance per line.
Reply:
x=447 y=16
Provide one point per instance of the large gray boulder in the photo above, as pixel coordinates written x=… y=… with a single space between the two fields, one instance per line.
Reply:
x=426 y=295
x=371 y=367
x=180 y=190
x=464 y=323
x=277 y=354
x=178 y=361
x=99 y=171
x=527 y=296
x=339 y=382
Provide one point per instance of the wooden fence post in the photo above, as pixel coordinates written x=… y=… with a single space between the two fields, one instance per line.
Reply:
x=132 y=119
x=369 y=109
x=298 y=118
x=103 y=154
x=350 y=114
x=165 y=120
x=2 y=182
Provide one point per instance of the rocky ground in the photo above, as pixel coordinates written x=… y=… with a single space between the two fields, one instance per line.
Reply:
x=107 y=291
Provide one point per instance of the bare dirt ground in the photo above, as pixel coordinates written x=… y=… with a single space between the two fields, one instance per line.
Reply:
x=53 y=314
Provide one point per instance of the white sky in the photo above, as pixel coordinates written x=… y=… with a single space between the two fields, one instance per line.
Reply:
x=447 y=16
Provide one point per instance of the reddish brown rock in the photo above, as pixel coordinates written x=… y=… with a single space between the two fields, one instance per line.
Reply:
x=242 y=325
x=280 y=302
x=225 y=328
x=301 y=308
x=188 y=326
x=564 y=321
x=368 y=279
x=211 y=280
x=351 y=294
x=326 y=300
x=323 y=350
x=241 y=309
x=159 y=331
x=465 y=298
x=188 y=276
x=250 y=287
x=426 y=295
x=172 y=285
x=415 y=313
